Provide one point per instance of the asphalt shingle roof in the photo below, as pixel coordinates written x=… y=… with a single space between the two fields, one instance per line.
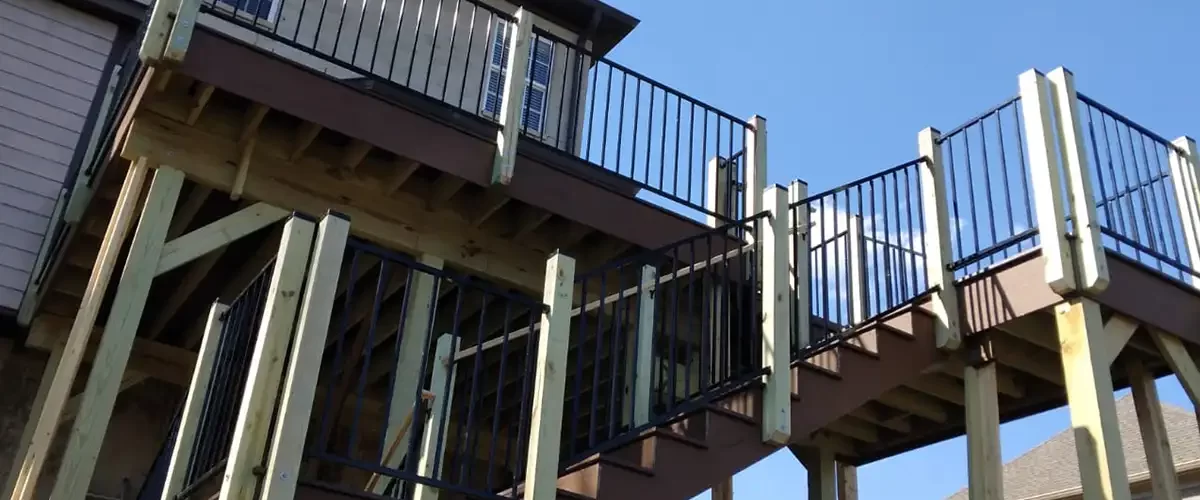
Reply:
x=1053 y=466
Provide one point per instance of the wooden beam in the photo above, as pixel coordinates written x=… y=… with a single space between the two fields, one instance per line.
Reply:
x=218 y=234
x=22 y=448
x=1180 y=361
x=528 y=220
x=308 y=346
x=400 y=222
x=915 y=403
x=59 y=386
x=200 y=100
x=444 y=188
x=1163 y=478
x=1117 y=332
x=493 y=201
x=243 y=167
x=193 y=406
x=305 y=134
x=354 y=154
x=939 y=386
x=855 y=429
x=1027 y=358
x=249 y=442
x=401 y=172
x=120 y=330
x=549 y=386
x=870 y=413
x=1090 y=396
x=254 y=117
x=187 y=211
x=150 y=358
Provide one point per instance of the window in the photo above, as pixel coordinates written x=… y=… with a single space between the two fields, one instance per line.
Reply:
x=264 y=10
x=537 y=82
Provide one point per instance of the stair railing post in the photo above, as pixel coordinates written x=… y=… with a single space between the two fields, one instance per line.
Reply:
x=755 y=162
x=308 y=346
x=193 y=406
x=438 y=419
x=938 y=254
x=513 y=99
x=776 y=334
x=1044 y=175
x=250 y=435
x=857 y=285
x=799 y=280
x=640 y=346
x=1185 y=178
x=549 y=385
x=1092 y=263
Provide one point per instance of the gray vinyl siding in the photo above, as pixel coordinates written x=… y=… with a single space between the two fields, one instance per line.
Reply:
x=52 y=59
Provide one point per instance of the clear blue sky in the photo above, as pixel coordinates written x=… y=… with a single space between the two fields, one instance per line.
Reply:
x=846 y=86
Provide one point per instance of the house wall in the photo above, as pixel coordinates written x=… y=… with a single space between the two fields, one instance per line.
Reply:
x=52 y=62
x=379 y=38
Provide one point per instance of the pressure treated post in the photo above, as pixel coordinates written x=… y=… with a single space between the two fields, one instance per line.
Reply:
x=822 y=471
x=1090 y=398
x=308 y=346
x=938 y=254
x=1092 y=266
x=847 y=482
x=193 y=406
x=1164 y=483
x=249 y=444
x=56 y=353
x=443 y=374
x=1185 y=178
x=756 y=167
x=776 y=334
x=985 y=468
x=718 y=188
x=414 y=343
x=798 y=254
x=549 y=385
x=1047 y=188
x=511 y=102
x=120 y=329
x=640 y=349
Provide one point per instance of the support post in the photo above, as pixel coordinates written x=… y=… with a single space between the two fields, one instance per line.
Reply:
x=756 y=167
x=58 y=387
x=985 y=468
x=640 y=349
x=938 y=255
x=443 y=371
x=1185 y=177
x=818 y=461
x=308 y=346
x=1181 y=363
x=723 y=490
x=549 y=385
x=249 y=443
x=847 y=480
x=1047 y=188
x=56 y=354
x=513 y=98
x=193 y=406
x=1164 y=483
x=414 y=342
x=855 y=252
x=798 y=254
x=1090 y=398
x=1092 y=264
x=776 y=331
x=120 y=329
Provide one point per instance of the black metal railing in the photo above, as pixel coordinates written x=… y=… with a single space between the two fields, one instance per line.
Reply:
x=988 y=184
x=676 y=326
x=865 y=250
x=629 y=124
x=1136 y=203
x=223 y=395
x=451 y=51
x=409 y=400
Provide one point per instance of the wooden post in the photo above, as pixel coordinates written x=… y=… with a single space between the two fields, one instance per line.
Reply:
x=756 y=167
x=193 y=406
x=308 y=346
x=56 y=353
x=857 y=284
x=249 y=443
x=58 y=387
x=549 y=386
x=443 y=370
x=938 y=254
x=1185 y=177
x=1047 y=188
x=798 y=254
x=723 y=490
x=517 y=66
x=717 y=186
x=120 y=329
x=640 y=349
x=1092 y=265
x=985 y=468
x=776 y=326
x=822 y=475
x=847 y=480
x=414 y=341
x=1090 y=397
x=1154 y=432
x=1180 y=361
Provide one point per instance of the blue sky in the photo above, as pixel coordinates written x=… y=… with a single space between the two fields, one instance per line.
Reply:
x=846 y=86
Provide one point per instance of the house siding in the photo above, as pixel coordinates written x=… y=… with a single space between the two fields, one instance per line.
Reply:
x=52 y=60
